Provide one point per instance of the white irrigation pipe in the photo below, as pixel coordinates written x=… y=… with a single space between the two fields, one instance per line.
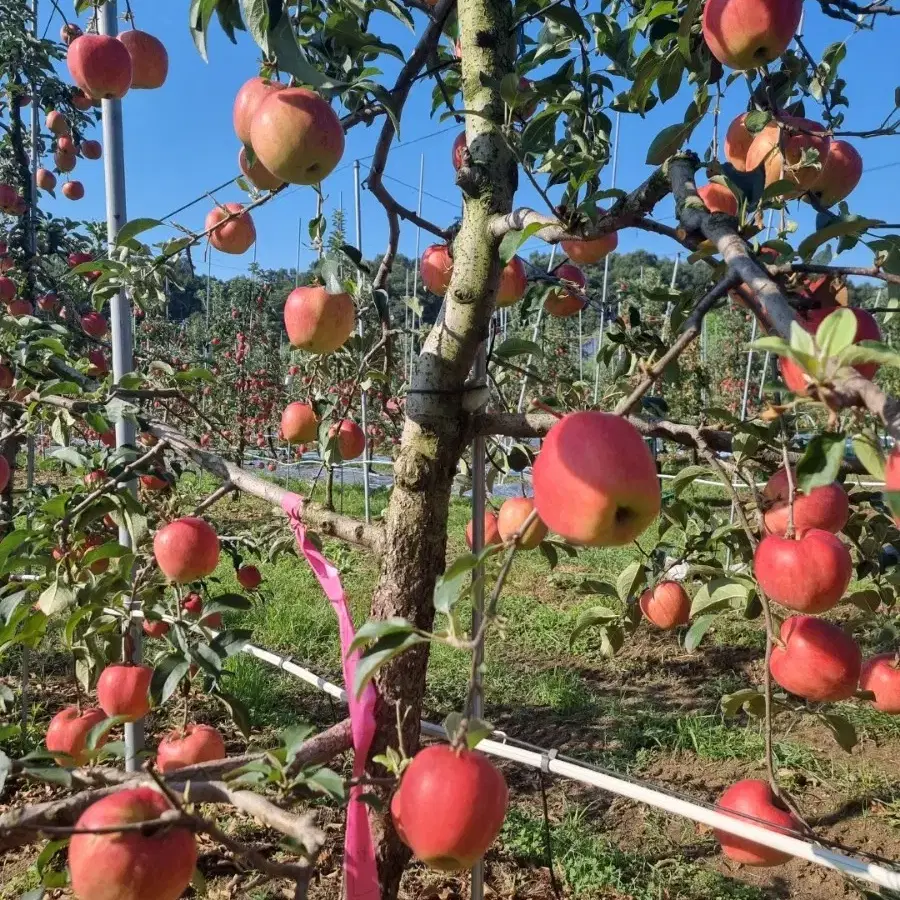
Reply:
x=678 y=806
x=742 y=485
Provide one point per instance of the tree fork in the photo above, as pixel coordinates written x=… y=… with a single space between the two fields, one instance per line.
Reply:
x=436 y=428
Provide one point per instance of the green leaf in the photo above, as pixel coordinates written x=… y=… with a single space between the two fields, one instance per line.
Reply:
x=685 y=477
x=839 y=227
x=697 y=631
x=756 y=120
x=750 y=700
x=450 y=585
x=324 y=781
x=870 y=352
x=596 y=616
x=55 y=599
x=295 y=737
x=512 y=240
x=719 y=594
x=836 y=331
x=514 y=346
x=821 y=461
x=868 y=451
x=238 y=712
x=668 y=142
x=382 y=651
x=167 y=675
x=631 y=579
x=772 y=344
x=478 y=731
x=374 y=629
x=198 y=17
x=5 y=769
x=135 y=227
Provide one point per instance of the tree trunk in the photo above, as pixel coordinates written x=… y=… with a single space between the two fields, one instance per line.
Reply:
x=435 y=430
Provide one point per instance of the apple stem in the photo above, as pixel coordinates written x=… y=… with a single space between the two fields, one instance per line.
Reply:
x=789 y=473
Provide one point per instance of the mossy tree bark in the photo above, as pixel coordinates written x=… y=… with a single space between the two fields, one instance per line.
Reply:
x=436 y=427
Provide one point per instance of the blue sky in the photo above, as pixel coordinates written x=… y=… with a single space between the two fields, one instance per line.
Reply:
x=179 y=143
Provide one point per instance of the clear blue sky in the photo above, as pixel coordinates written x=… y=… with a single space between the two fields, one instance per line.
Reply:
x=179 y=143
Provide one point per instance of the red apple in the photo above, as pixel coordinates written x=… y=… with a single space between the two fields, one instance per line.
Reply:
x=48 y=303
x=65 y=160
x=881 y=676
x=718 y=199
x=825 y=507
x=738 y=139
x=257 y=174
x=100 y=65
x=186 y=549
x=458 y=151
x=7 y=289
x=562 y=302
x=45 y=180
x=513 y=283
x=91 y=149
x=818 y=661
x=781 y=154
x=7 y=377
x=57 y=124
x=248 y=577
x=595 y=481
x=299 y=423
x=866 y=330
x=94 y=324
x=236 y=234
x=98 y=363
x=123 y=690
x=809 y=574
x=155 y=483
x=155 y=629
x=297 y=136
x=130 y=865
x=748 y=34
x=892 y=482
x=450 y=807
x=754 y=798
x=350 y=439
x=247 y=101
x=436 y=268
x=73 y=190
x=196 y=744
x=512 y=515
x=317 y=321
x=67 y=734
x=667 y=605
x=149 y=59
x=841 y=172
x=491 y=530
x=591 y=251
x=192 y=604
x=20 y=307
x=81 y=101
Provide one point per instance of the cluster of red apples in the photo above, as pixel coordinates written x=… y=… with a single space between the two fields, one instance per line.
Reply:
x=288 y=135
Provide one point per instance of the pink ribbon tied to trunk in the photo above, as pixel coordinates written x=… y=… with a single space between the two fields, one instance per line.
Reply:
x=360 y=868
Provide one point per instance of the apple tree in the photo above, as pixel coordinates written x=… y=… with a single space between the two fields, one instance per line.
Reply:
x=535 y=84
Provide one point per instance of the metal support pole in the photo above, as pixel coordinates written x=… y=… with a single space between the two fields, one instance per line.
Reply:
x=534 y=336
x=580 y=345
x=362 y=393
x=412 y=331
x=615 y=173
x=120 y=308
x=208 y=287
x=479 y=503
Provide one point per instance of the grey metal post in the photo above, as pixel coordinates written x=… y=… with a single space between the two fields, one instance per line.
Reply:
x=120 y=308
x=362 y=393
x=615 y=173
x=412 y=330
x=479 y=503
x=580 y=345
x=534 y=335
x=209 y=251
